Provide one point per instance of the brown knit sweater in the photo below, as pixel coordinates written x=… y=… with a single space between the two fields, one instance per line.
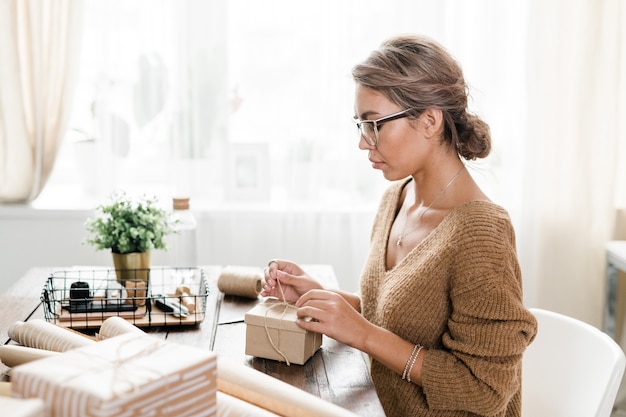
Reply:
x=459 y=294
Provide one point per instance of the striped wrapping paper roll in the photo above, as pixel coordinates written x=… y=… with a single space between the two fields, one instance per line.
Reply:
x=40 y=334
x=116 y=326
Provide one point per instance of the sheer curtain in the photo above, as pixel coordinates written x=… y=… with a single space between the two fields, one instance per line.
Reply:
x=575 y=151
x=246 y=106
x=38 y=51
x=183 y=97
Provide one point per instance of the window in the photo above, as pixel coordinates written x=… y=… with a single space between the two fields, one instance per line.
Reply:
x=170 y=90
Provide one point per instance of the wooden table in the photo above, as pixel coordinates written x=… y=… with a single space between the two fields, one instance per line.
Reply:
x=336 y=373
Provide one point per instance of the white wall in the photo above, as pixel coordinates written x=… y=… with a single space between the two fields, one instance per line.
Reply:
x=31 y=237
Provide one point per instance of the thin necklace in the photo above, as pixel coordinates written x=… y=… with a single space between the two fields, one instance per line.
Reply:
x=404 y=233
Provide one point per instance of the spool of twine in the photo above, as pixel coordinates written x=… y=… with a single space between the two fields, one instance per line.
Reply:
x=241 y=281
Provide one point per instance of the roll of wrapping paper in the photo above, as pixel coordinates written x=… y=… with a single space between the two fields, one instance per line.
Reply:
x=40 y=334
x=115 y=326
x=229 y=406
x=272 y=394
x=241 y=281
x=14 y=355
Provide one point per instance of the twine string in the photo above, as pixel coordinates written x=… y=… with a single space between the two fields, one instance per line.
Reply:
x=120 y=373
x=286 y=306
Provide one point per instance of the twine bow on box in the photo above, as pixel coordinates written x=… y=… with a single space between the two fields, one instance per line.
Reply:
x=286 y=307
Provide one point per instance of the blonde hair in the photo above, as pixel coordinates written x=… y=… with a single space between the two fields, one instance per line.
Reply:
x=417 y=72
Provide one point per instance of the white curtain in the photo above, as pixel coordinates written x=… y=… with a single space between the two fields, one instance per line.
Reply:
x=39 y=41
x=267 y=82
x=575 y=147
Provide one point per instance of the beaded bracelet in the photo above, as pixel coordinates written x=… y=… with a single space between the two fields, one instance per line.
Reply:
x=408 y=375
x=408 y=367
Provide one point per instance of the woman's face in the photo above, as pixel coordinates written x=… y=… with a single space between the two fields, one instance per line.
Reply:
x=400 y=148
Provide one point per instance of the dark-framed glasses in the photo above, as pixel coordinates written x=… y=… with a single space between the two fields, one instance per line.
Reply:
x=369 y=128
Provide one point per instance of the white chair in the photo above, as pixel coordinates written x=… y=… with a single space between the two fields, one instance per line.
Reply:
x=571 y=369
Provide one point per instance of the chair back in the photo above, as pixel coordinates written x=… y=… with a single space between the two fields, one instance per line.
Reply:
x=571 y=369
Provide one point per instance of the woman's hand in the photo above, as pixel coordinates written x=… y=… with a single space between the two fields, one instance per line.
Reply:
x=288 y=277
x=333 y=316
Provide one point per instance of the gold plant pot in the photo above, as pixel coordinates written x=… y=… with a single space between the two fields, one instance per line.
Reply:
x=132 y=266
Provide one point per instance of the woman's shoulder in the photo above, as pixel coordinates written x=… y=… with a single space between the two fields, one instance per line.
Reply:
x=481 y=214
x=484 y=207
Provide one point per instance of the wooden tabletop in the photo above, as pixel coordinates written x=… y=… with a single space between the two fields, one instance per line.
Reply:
x=336 y=373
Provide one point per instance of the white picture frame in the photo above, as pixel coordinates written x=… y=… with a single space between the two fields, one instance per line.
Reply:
x=247 y=172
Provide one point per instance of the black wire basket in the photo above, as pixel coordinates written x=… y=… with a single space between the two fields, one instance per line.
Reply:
x=155 y=297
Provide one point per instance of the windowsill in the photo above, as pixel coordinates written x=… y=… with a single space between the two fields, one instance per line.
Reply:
x=73 y=201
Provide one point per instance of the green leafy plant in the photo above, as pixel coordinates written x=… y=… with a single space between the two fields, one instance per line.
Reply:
x=127 y=225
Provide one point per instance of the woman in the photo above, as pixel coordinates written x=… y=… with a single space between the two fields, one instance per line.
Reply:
x=440 y=312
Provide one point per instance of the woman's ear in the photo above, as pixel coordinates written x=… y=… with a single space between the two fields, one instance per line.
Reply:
x=432 y=119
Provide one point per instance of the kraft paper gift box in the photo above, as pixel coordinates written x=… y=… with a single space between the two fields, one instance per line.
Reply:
x=127 y=375
x=274 y=323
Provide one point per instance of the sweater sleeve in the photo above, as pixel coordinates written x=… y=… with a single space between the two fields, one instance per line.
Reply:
x=478 y=368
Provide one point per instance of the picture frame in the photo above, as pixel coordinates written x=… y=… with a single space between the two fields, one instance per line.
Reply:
x=247 y=172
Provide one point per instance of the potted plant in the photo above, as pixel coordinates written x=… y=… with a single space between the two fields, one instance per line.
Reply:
x=130 y=228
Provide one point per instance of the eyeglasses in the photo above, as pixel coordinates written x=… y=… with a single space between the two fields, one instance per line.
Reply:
x=369 y=128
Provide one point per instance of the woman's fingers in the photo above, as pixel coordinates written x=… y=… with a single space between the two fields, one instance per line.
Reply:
x=331 y=315
x=315 y=295
x=321 y=306
x=270 y=273
x=286 y=280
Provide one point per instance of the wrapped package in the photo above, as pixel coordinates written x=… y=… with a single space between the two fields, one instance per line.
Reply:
x=272 y=333
x=126 y=375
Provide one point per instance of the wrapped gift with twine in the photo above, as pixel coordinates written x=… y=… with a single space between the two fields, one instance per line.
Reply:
x=130 y=375
x=272 y=333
